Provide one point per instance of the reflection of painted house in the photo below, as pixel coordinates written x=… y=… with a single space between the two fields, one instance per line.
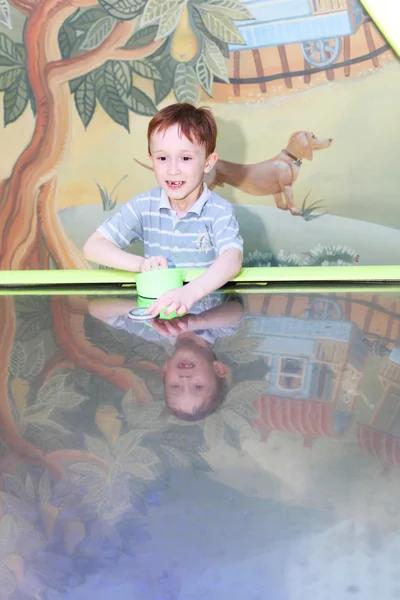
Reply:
x=315 y=366
x=318 y=25
x=382 y=437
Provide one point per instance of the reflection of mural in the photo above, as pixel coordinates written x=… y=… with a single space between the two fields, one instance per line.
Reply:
x=382 y=437
x=118 y=61
x=315 y=368
x=89 y=450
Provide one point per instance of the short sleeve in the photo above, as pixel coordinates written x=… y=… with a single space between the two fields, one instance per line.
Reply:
x=226 y=232
x=124 y=227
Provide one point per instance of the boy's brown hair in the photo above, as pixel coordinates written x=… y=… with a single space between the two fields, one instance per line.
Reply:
x=194 y=123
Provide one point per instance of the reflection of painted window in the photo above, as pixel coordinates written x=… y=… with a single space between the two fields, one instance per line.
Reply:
x=292 y=372
x=323 y=308
x=268 y=361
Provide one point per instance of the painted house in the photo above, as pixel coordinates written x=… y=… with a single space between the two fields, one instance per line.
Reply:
x=315 y=366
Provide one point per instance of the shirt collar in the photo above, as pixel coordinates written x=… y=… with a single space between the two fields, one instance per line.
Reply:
x=197 y=206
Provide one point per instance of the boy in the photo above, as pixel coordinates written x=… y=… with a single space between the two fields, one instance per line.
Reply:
x=182 y=223
x=195 y=381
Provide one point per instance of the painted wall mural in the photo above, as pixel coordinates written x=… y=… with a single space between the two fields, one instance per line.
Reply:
x=80 y=79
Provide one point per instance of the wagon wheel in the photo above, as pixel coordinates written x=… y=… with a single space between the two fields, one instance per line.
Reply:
x=322 y=53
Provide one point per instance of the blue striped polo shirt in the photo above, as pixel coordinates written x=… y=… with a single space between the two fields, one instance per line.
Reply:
x=195 y=240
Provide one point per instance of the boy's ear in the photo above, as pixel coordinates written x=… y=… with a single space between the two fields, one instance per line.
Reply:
x=222 y=370
x=210 y=162
x=165 y=368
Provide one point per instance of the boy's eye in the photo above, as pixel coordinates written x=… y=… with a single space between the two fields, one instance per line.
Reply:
x=175 y=386
x=162 y=158
x=199 y=387
x=186 y=158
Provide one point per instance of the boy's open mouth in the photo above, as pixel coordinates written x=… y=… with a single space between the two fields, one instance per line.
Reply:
x=175 y=185
x=185 y=364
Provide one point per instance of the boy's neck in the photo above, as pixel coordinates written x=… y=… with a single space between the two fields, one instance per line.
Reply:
x=181 y=207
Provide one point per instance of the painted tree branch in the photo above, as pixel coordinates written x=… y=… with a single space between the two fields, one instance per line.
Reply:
x=24 y=6
x=110 y=49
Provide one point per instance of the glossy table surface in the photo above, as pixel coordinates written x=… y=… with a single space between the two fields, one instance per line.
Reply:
x=250 y=451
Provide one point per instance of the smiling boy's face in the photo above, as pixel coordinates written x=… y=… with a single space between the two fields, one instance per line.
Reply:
x=179 y=164
x=192 y=375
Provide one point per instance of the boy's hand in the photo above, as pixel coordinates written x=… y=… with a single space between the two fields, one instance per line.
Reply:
x=154 y=263
x=173 y=327
x=180 y=300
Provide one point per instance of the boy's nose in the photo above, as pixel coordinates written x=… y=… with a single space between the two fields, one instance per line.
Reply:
x=174 y=168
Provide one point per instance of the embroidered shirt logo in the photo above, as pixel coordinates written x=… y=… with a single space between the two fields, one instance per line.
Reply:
x=204 y=241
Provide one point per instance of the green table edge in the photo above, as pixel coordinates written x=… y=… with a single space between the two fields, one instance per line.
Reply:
x=89 y=277
x=384 y=14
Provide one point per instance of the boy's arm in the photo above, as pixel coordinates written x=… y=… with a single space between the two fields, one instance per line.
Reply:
x=229 y=245
x=100 y=250
x=106 y=309
x=223 y=269
x=107 y=245
x=182 y=299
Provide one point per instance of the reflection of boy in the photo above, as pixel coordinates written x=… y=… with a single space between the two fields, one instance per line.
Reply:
x=195 y=381
x=181 y=223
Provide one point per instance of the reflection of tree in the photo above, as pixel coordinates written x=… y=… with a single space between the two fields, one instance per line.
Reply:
x=82 y=451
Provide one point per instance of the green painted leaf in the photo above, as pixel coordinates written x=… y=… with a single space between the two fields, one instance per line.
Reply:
x=30 y=487
x=215 y=60
x=161 y=90
x=5 y=13
x=121 y=74
x=106 y=83
x=241 y=347
x=97 y=447
x=146 y=69
x=7 y=78
x=75 y=83
x=176 y=458
x=85 y=19
x=166 y=66
x=214 y=430
x=140 y=416
x=204 y=75
x=233 y=9
x=35 y=361
x=168 y=22
x=238 y=423
x=142 y=37
x=99 y=31
x=155 y=9
x=123 y=9
x=199 y=25
x=246 y=391
x=66 y=40
x=85 y=100
x=222 y=27
x=9 y=52
x=18 y=359
x=185 y=84
x=139 y=103
x=140 y=471
x=15 y=100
